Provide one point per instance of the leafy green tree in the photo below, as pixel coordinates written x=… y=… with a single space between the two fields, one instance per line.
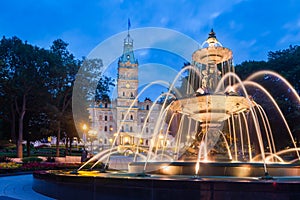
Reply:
x=286 y=63
x=20 y=77
x=60 y=79
x=91 y=85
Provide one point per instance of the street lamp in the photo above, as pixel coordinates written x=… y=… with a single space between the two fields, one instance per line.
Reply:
x=92 y=135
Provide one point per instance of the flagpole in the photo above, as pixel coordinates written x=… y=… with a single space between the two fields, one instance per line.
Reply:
x=128 y=26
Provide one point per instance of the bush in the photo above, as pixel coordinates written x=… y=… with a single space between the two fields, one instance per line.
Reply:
x=31 y=159
x=10 y=165
x=50 y=159
x=4 y=159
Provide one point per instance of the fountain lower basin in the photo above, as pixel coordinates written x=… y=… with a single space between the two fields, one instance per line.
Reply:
x=112 y=185
x=212 y=169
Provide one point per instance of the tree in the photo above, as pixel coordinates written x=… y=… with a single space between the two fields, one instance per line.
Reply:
x=20 y=76
x=286 y=63
x=60 y=79
x=91 y=85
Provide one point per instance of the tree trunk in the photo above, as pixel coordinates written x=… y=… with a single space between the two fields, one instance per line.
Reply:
x=57 y=140
x=70 y=149
x=28 y=147
x=13 y=124
x=20 y=138
x=67 y=141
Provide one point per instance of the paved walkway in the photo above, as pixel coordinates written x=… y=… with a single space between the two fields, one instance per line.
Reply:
x=19 y=187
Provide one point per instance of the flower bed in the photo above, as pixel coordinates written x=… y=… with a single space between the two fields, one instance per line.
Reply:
x=12 y=167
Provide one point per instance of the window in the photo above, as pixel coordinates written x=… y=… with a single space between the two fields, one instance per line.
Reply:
x=131 y=129
x=131 y=117
x=110 y=118
x=147 y=107
x=131 y=94
x=105 y=105
x=105 y=118
x=122 y=116
x=142 y=120
x=100 y=117
x=123 y=94
x=147 y=130
x=110 y=128
x=105 y=128
x=122 y=129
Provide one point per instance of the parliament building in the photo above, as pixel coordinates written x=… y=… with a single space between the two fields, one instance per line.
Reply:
x=124 y=121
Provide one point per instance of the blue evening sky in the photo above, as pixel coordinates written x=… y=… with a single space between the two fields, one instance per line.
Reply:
x=250 y=28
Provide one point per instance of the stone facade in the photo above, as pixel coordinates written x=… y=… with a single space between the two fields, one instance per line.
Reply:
x=125 y=114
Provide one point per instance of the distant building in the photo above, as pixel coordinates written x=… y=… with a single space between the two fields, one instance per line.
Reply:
x=124 y=114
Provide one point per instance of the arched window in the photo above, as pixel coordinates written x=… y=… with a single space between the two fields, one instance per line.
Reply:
x=105 y=118
x=122 y=116
x=105 y=128
x=147 y=107
x=105 y=105
x=131 y=117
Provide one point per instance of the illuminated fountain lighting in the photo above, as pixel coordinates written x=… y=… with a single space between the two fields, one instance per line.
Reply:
x=219 y=138
x=215 y=98
x=215 y=107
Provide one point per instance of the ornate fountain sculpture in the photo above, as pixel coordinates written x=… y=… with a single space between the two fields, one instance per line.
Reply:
x=210 y=107
x=213 y=112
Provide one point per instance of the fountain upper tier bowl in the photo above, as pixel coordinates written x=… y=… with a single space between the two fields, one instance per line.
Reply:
x=211 y=108
x=214 y=55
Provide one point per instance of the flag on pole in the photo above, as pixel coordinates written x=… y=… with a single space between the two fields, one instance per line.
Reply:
x=129 y=25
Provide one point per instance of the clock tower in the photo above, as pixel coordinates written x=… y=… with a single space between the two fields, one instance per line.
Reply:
x=127 y=88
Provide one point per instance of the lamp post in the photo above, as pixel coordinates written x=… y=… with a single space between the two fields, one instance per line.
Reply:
x=92 y=136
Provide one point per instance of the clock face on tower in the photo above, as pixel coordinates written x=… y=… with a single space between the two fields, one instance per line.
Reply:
x=127 y=85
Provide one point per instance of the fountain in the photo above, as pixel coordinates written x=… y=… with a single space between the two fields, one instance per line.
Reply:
x=224 y=147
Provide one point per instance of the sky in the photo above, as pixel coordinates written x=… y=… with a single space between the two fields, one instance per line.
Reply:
x=251 y=28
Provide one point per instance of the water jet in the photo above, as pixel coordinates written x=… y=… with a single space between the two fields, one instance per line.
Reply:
x=220 y=134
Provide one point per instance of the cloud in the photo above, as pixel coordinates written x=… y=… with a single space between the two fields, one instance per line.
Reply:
x=214 y=15
x=294 y=25
x=248 y=44
x=292 y=33
x=289 y=39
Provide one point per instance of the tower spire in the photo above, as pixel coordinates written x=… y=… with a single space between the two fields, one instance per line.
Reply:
x=128 y=55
